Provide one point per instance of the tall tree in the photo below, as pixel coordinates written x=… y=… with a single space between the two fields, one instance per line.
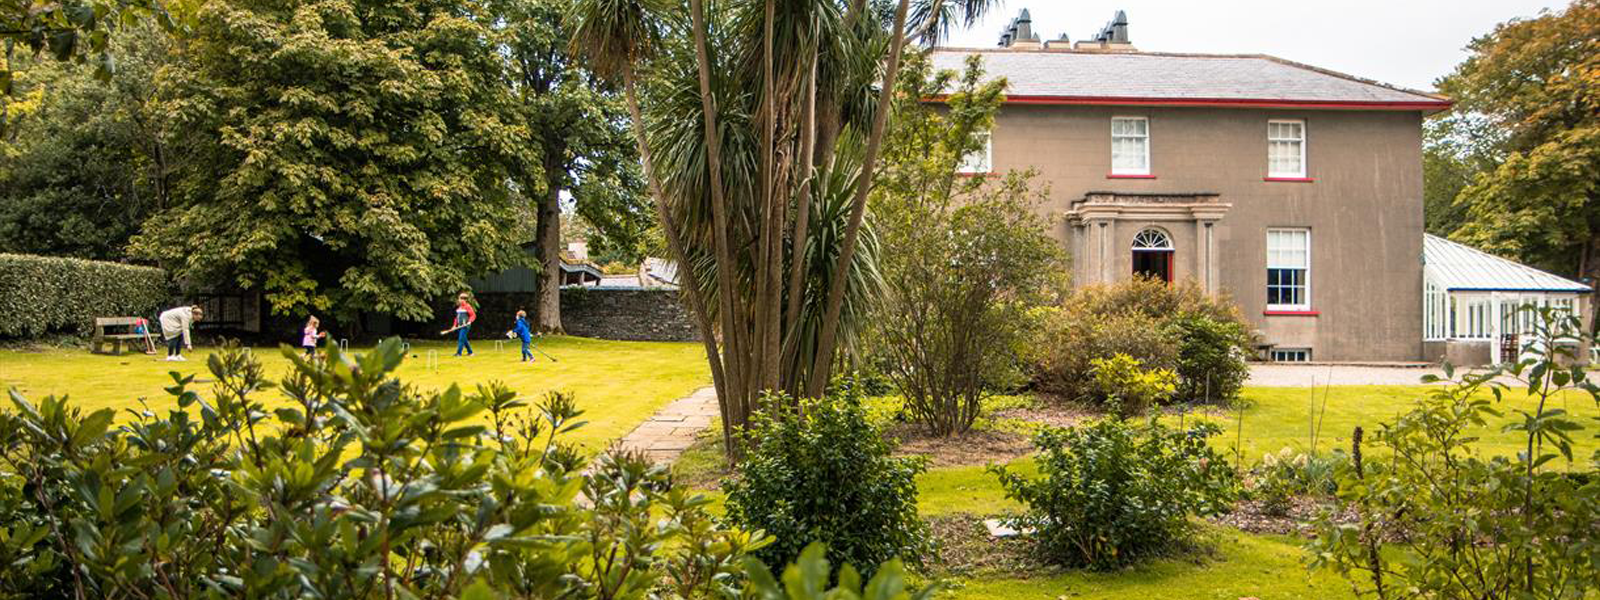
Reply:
x=1538 y=81
x=578 y=128
x=768 y=119
x=965 y=258
x=84 y=162
x=360 y=155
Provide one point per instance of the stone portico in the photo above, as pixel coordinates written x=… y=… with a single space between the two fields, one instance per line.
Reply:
x=1113 y=235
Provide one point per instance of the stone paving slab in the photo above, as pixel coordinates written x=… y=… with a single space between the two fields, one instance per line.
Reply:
x=666 y=434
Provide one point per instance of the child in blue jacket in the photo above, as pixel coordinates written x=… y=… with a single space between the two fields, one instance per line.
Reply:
x=521 y=330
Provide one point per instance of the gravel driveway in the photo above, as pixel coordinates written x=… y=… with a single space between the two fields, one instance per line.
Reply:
x=1281 y=375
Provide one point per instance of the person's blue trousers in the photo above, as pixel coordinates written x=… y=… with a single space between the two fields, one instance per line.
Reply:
x=461 y=340
x=527 y=353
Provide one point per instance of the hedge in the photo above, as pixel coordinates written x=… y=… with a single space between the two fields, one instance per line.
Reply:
x=44 y=294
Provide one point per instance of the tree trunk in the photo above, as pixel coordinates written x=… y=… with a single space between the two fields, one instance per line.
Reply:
x=547 y=238
x=688 y=282
x=1589 y=266
x=736 y=352
x=828 y=338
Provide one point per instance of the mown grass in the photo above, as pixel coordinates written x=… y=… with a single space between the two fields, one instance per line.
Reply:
x=1277 y=418
x=616 y=384
x=1239 y=565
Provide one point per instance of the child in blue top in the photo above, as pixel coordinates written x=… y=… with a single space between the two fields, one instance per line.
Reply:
x=521 y=330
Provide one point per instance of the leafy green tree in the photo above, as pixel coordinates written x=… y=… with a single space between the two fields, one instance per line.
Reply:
x=87 y=161
x=578 y=127
x=1456 y=148
x=964 y=258
x=360 y=158
x=1538 y=81
x=760 y=119
x=79 y=31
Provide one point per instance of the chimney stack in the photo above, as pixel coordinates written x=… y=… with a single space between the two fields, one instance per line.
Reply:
x=1112 y=38
x=1019 y=33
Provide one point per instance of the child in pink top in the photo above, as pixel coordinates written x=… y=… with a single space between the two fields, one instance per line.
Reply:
x=310 y=337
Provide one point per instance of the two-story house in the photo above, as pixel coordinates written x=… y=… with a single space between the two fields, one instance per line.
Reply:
x=1296 y=191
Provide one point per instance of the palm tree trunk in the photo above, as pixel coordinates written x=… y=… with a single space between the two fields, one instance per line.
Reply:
x=687 y=281
x=802 y=221
x=733 y=338
x=767 y=305
x=823 y=363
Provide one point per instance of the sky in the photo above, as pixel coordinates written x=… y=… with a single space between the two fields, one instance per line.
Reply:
x=1408 y=43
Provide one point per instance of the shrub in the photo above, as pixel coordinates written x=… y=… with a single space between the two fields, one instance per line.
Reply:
x=1439 y=520
x=43 y=294
x=809 y=577
x=1129 y=387
x=964 y=258
x=827 y=475
x=1071 y=337
x=1164 y=326
x=1112 y=492
x=1282 y=477
x=358 y=486
x=1211 y=357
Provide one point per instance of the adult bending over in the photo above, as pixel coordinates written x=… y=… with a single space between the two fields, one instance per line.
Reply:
x=175 y=325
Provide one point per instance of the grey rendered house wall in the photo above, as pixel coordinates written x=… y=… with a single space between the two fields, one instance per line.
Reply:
x=1364 y=208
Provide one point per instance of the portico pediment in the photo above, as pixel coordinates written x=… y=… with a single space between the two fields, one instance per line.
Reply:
x=1096 y=206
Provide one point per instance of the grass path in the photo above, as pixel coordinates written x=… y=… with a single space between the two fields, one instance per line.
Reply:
x=617 y=384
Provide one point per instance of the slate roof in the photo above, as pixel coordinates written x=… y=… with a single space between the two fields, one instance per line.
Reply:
x=1459 y=267
x=1177 y=77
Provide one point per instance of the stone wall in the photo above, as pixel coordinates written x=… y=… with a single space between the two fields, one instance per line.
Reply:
x=604 y=313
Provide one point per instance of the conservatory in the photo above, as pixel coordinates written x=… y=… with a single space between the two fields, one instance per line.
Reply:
x=1472 y=302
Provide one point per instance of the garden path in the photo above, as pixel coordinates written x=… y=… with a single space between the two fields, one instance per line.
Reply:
x=665 y=435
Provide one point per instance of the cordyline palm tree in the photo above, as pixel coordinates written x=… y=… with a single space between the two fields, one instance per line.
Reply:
x=759 y=131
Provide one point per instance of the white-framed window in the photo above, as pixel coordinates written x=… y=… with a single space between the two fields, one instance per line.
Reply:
x=1435 y=311
x=1288 y=269
x=1290 y=355
x=979 y=161
x=1130 y=146
x=1286 y=148
x=1471 y=317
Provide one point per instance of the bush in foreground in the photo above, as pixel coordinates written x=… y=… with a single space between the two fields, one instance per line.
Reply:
x=360 y=486
x=1436 y=519
x=1113 y=492
x=827 y=475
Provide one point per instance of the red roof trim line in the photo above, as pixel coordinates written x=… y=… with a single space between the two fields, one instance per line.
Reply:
x=1222 y=102
x=984 y=174
x=1130 y=176
x=1290 y=179
x=1292 y=313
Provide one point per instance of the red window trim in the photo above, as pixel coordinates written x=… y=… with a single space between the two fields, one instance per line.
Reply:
x=1290 y=179
x=1291 y=313
x=1130 y=176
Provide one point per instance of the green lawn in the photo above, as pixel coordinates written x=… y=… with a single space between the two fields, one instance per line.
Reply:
x=617 y=384
x=1277 y=418
x=1242 y=566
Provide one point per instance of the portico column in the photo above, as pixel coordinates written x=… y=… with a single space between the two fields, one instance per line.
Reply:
x=1107 y=233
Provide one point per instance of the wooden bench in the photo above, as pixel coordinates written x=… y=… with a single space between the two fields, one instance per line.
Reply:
x=102 y=337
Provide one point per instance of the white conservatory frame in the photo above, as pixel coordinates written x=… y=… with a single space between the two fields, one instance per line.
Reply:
x=1469 y=295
